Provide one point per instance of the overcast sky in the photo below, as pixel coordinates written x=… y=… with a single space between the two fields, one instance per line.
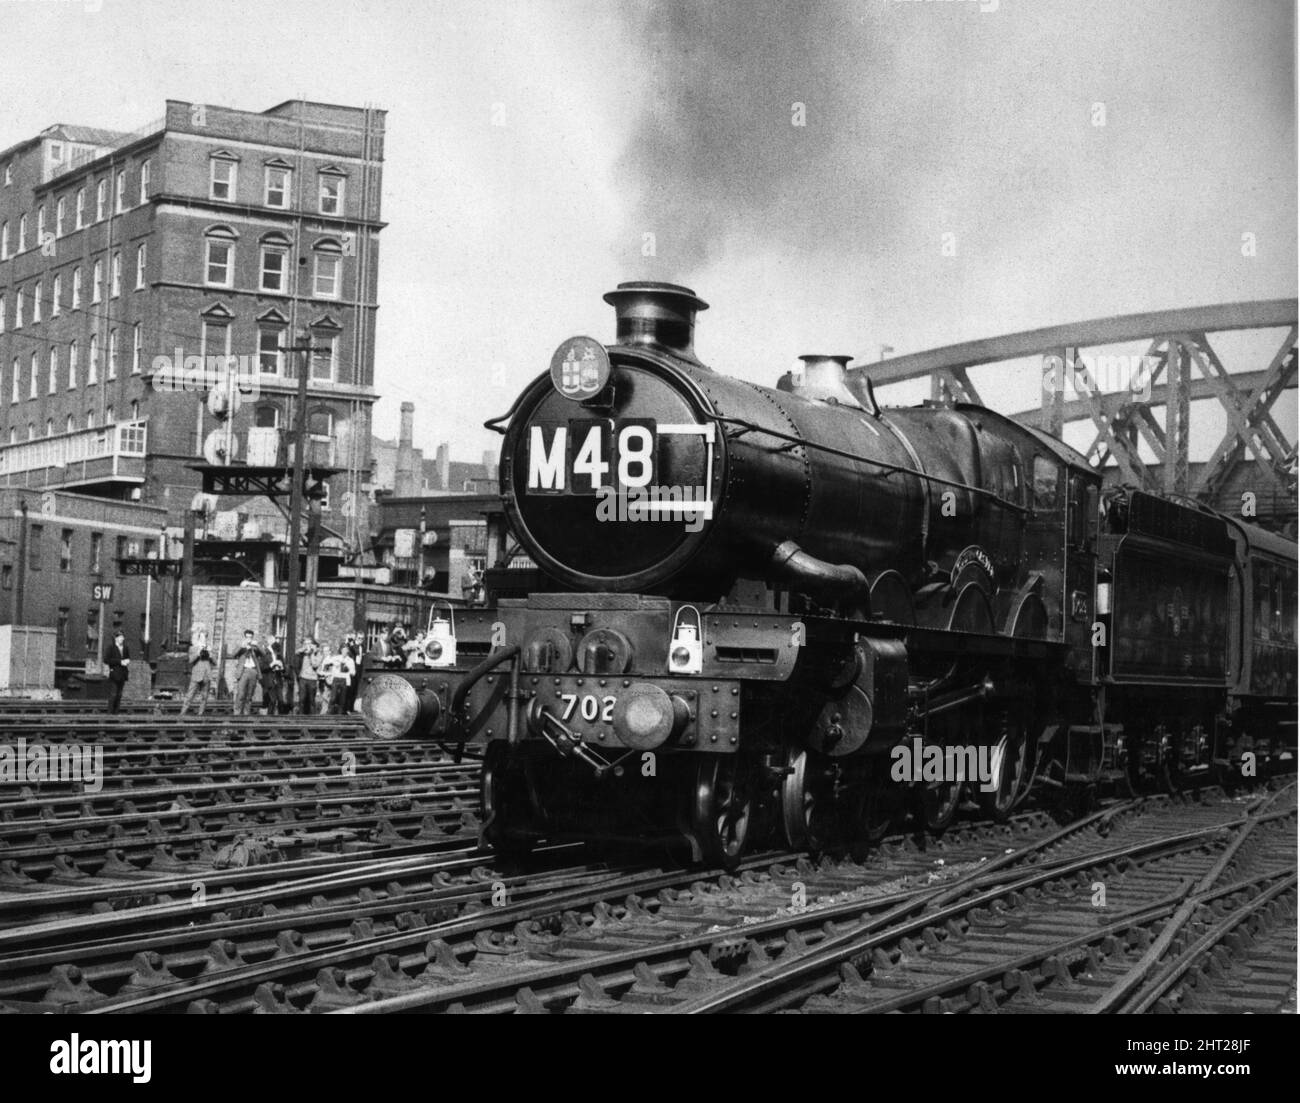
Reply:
x=533 y=145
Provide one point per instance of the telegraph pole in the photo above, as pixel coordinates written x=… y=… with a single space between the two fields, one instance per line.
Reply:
x=305 y=347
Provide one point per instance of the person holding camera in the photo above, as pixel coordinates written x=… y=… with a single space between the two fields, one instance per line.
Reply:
x=248 y=661
x=200 y=671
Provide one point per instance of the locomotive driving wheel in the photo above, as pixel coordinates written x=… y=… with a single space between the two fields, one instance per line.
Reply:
x=1010 y=766
x=505 y=802
x=808 y=804
x=722 y=809
x=939 y=803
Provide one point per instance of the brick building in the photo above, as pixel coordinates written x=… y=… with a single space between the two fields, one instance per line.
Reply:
x=211 y=232
x=456 y=543
x=71 y=543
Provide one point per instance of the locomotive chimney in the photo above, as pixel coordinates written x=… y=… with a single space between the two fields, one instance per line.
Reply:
x=657 y=314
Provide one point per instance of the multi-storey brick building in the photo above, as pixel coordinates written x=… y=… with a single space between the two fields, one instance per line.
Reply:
x=211 y=232
x=56 y=547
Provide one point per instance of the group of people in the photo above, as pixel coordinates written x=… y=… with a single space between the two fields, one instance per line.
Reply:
x=398 y=649
x=326 y=680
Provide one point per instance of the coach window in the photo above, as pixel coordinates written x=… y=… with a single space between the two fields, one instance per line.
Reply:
x=1046 y=483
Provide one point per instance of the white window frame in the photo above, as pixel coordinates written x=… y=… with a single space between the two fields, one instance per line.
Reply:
x=336 y=280
x=112 y=354
x=141 y=259
x=283 y=253
x=72 y=366
x=79 y=208
x=18 y=309
x=101 y=200
x=277 y=332
x=36 y=302
x=119 y=192
x=34 y=386
x=60 y=211
x=115 y=276
x=137 y=348
x=285 y=189
x=54 y=370
x=224 y=243
x=92 y=361
x=97 y=281
x=231 y=183
x=22 y=234
x=15 y=386
x=341 y=182
x=4 y=240
x=145 y=168
x=40 y=224
x=56 y=293
x=76 y=288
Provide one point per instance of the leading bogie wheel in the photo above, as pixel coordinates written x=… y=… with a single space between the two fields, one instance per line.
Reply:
x=722 y=809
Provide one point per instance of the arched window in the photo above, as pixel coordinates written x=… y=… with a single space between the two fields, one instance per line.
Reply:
x=267 y=416
x=219 y=258
x=274 y=269
x=329 y=261
x=320 y=423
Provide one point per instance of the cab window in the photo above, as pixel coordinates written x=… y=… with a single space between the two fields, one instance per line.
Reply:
x=1046 y=483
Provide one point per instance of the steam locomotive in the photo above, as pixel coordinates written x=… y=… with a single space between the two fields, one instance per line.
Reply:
x=789 y=612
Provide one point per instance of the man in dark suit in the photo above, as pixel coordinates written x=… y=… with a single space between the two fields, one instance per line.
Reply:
x=118 y=660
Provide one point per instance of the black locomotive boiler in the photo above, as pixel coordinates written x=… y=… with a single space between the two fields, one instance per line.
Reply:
x=755 y=599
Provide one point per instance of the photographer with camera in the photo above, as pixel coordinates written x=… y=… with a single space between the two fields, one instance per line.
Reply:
x=200 y=671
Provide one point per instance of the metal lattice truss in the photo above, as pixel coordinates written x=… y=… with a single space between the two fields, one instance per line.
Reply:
x=1181 y=367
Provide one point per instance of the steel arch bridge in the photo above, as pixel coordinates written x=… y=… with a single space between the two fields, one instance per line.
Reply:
x=1180 y=367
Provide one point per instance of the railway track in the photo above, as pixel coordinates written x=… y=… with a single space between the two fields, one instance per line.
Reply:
x=405 y=933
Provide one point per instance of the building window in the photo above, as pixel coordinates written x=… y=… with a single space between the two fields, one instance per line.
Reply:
x=22 y=233
x=96 y=281
x=96 y=552
x=327 y=270
x=274 y=267
x=31 y=430
x=120 y=200
x=4 y=306
x=18 y=309
x=320 y=423
x=92 y=629
x=108 y=415
x=270 y=360
x=63 y=628
x=135 y=410
x=92 y=365
x=101 y=196
x=79 y=209
x=219 y=267
x=112 y=354
x=13 y=391
x=49 y=426
x=139 y=267
x=65 y=550
x=72 y=373
x=76 y=288
x=267 y=417
x=56 y=294
x=60 y=209
x=90 y=419
x=36 y=302
x=70 y=425
x=223 y=175
x=7 y=576
x=115 y=276
x=331 y=194
x=4 y=240
x=54 y=370
x=9 y=174
x=136 y=343
x=277 y=186
x=144 y=180
x=40 y=224
x=35 y=537
x=322 y=362
x=33 y=387
x=214 y=339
